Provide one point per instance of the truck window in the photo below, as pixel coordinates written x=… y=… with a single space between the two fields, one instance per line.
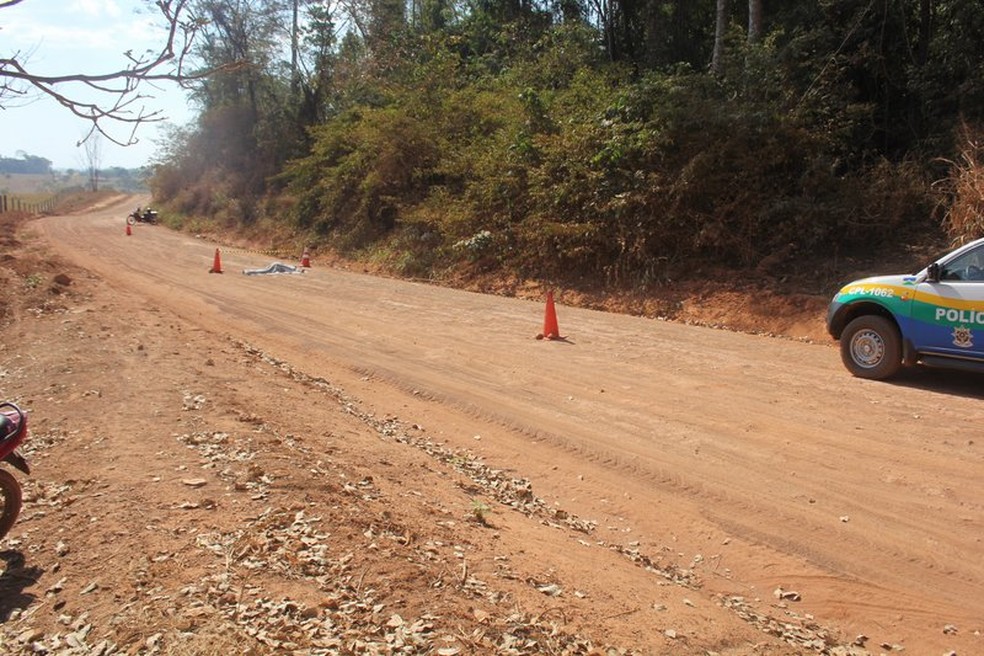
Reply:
x=967 y=267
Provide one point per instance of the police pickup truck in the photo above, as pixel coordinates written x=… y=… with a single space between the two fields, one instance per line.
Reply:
x=935 y=317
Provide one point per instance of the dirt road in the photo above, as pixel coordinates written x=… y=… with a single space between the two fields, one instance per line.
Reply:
x=734 y=483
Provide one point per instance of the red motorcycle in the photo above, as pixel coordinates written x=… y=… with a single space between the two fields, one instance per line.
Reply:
x=13 y=430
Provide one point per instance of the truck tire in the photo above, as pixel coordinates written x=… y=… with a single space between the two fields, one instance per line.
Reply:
x=871 y=347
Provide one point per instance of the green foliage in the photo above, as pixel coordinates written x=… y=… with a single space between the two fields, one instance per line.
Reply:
x=362 y=169
x=507 y=139
x=480 y=512
x=550 y=168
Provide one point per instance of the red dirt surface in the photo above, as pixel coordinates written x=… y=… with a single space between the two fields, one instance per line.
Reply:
x=338 y=463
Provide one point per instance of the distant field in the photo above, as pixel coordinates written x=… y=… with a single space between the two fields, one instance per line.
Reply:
x=42 y=193
x=20 y=184
x=23 y=184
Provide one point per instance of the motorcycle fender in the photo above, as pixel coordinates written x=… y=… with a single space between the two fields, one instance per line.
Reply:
x=18 y=461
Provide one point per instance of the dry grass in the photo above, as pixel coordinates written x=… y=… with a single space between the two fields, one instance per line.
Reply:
x=965 y=218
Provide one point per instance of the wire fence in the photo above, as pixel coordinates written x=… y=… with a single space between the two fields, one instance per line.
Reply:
x=10 y=203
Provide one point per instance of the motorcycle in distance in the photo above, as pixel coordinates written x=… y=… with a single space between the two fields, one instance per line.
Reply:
x=13 y=430
x=146 y=216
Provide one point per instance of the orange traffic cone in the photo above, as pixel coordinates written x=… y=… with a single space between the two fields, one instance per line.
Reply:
x=305 y=259
x=216 y=264
x=129 y=231
x=550 y=328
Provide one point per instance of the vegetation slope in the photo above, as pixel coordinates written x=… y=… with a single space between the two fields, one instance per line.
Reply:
x=610 y=146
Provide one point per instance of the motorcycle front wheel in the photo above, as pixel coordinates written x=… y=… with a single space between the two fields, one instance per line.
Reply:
x=10 y=501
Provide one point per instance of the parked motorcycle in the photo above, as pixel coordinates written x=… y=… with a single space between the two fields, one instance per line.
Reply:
x=146 y=216
x=13 y=430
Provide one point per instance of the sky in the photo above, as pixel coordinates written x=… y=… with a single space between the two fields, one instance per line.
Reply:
x=60 y=37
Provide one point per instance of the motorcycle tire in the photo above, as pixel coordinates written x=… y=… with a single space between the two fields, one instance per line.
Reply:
x=11 y=499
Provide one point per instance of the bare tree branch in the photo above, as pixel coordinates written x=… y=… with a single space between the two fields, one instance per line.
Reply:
x=121 y=91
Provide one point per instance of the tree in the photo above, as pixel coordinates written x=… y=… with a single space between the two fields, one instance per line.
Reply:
x=720 y=31
x=320 y=46
x=25 y=164
x=93 y=159
x=754 y=21
x=246 y=109
x=120 y=91
x=722 y=15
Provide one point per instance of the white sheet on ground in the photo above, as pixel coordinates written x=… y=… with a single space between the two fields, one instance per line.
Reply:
x=276 y=267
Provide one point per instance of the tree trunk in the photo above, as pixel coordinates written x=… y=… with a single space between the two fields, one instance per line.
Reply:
x=92 y=147
x=294 y=75
x=754 y=21
x=925 y=30
x=721 y=28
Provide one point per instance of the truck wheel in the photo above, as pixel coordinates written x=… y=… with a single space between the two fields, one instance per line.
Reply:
x=871 y=347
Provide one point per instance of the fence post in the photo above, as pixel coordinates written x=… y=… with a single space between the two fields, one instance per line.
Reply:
x=10 y=203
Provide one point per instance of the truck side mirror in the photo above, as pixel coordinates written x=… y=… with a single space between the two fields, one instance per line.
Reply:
x=933 y=272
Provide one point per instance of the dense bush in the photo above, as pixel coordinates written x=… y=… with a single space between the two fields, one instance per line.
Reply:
x=608 y=176
x=523 y=143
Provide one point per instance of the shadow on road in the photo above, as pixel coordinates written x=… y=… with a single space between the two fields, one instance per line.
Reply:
x=14 y=578
x=944 y=381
